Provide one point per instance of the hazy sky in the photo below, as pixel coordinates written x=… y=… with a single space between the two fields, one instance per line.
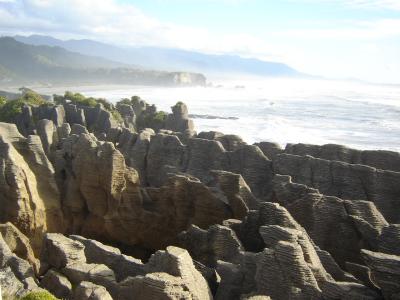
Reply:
x=333 y=38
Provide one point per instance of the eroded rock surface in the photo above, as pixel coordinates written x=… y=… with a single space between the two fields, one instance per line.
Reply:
x=253 y=221
x=28 y=190
x=346 y=181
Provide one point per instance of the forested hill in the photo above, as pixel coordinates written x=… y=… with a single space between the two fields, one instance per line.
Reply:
x=23 y=63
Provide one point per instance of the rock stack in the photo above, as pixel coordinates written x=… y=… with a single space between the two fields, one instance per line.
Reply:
x=92 y=208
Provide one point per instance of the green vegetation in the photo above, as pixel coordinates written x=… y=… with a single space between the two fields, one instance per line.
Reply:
x=117 y=116
x=3 y=100
x=39 y=295
x=135 y=100
x=160 y=116
x=107 y=105
x=155 y=121
x=10 y=109
x=81 y=100
x=33 y=98
x=125 y=101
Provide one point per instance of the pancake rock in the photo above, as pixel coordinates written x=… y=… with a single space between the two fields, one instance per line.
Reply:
x=28 y=191
x=356 y=223
x=169 y=274
x=103 y=199
x=346 y=181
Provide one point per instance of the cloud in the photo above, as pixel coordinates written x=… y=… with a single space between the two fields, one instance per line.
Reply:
x=372 y=30
x=364 y=4
x=111 y=21
x=121 y=23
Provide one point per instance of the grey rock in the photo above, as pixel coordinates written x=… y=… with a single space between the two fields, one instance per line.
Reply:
x=347 y=181
x=164 y=150
x=60 y=251
x=99 y=119
x=179 y=119
x=74 y=114
x=136 y=154
x=19 y=244
x=48 y=135
x=327 y=219
x=63 y=131
x=379 y=159
x=10 y=285
x=58 y=115
x=231 y=142
x=210 y=246
x=122 y=265
x=389 y=239
x=24 y=121
x=96 y=273
x=385 y=272
x=57 y=284
x=78 y=129
x=362 y=273
x=171 y=275
x=90 y=291
x=28 y=190
x=210 y=135
x=270 y=150
x=203 y=156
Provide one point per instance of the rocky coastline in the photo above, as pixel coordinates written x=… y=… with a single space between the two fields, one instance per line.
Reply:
x=96 y=207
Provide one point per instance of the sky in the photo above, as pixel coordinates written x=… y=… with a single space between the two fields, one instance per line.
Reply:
x=332 y=38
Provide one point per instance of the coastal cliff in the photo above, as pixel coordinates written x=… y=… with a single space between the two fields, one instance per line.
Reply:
x=138 y=205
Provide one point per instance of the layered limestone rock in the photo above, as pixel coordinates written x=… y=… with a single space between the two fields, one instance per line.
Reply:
x=103 y=198
x=385 y=272
x=31 y=120
x=48 y=135
x=88 y=290
x=17 y=276
x=357 y=224
x=199 y=158
x=28 y=191
x=19 y=244
x=128 y=115
x=169 y=274
x=179 y=119
x=271 y=150
x=379 y=159
x=230 y=142
x=285 y=266
x=347 y=181
x=326 y=232
x=57 y=284
x=165 y=152
x=97 y=253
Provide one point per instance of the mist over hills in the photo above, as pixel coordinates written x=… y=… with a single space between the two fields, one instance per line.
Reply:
x=21 y=63
x=168 y=59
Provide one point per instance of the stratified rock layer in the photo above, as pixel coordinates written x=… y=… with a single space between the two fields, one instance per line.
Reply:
x=253 y=221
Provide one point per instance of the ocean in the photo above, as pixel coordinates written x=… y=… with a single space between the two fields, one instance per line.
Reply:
x=358 y=115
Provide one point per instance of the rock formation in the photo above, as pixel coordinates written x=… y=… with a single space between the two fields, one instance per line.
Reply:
x=356 y=223
x=87 y=270
x=28 y=190
x=347 y=181
x=144 y=208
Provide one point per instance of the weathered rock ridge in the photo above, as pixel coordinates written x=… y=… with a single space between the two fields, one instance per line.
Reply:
x=221 y=218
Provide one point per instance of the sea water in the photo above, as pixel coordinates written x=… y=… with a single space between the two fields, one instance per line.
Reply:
x=358 y=115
